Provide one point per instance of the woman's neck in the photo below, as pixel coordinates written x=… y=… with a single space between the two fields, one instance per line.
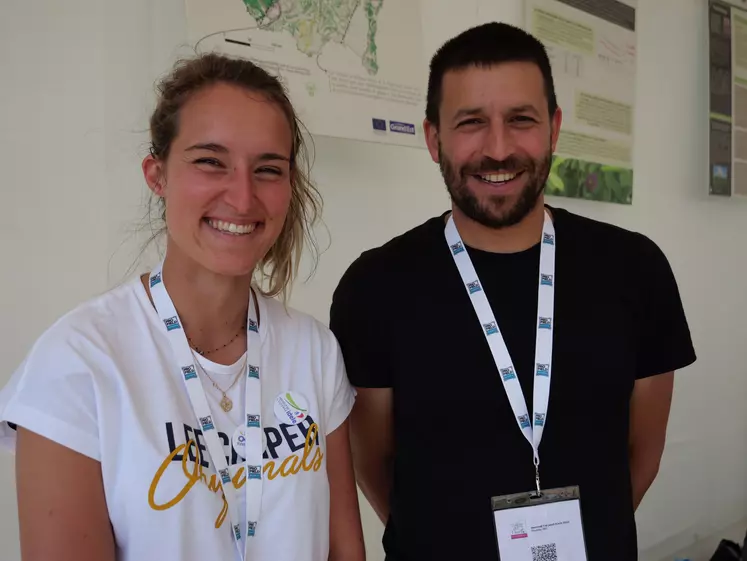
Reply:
x=212 y=307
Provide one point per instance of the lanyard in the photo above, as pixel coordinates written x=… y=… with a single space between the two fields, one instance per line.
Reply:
x=187 y=369
x=531 y=427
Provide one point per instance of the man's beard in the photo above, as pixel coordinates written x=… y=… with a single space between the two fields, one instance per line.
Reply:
x=492 y=212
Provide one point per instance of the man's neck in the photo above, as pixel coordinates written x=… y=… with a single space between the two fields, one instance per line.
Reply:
x=511 y=239
x=212 y=307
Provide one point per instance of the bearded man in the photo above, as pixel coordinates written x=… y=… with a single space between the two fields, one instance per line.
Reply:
x=507 y=347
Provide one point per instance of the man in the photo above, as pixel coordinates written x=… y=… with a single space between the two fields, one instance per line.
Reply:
x=434 y=433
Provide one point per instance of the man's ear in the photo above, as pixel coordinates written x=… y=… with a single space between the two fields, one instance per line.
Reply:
x=154 y=173
x=557 y=120
x=431 y=139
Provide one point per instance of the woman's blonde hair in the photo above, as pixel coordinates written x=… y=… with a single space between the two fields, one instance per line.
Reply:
x=279 y=267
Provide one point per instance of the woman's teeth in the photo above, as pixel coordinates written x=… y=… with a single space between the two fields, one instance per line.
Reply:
x=498 y=177
x=229 y=227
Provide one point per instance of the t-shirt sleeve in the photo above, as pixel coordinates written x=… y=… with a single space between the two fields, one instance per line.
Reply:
x=356 y=320
x=339 y=394
x=52 y=394
x=665 y=343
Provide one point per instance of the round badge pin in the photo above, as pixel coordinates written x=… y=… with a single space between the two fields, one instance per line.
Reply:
x=291 y=408
x=239 y=440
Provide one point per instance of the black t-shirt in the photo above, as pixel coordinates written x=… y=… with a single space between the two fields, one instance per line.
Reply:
x=405 y=321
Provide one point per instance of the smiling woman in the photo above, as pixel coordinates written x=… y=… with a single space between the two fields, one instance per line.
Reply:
x=234 y=404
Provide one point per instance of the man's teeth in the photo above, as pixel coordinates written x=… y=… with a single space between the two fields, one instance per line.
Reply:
x=232 y=228
x=498 y=177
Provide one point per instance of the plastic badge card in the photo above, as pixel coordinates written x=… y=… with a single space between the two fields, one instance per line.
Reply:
x=540 y=528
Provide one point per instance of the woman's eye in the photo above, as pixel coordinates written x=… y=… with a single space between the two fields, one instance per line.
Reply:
x=271 y=171
x=210 y=162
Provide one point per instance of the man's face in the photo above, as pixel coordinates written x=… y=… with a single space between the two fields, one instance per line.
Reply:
x=495 y=140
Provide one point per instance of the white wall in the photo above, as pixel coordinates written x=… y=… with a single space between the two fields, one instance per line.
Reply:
x=75 y=91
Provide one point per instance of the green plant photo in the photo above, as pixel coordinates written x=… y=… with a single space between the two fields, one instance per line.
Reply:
x=579 y=179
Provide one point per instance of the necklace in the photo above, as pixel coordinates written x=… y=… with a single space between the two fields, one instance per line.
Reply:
x=205 y=353
x=226 y=403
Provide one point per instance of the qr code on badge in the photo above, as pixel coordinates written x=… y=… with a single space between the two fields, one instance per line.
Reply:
x=548 y=552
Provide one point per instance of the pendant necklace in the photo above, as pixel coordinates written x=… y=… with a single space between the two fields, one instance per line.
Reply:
x=226 y=403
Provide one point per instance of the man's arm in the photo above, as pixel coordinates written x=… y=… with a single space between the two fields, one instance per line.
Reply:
x=649 y=413
x=372 y=442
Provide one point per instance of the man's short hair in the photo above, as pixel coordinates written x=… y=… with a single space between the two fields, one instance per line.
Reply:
x=484 y=46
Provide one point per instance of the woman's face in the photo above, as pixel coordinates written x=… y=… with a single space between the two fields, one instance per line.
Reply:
x=226 y=181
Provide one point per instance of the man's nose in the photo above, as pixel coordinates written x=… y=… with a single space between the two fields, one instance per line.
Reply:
x=499 y=145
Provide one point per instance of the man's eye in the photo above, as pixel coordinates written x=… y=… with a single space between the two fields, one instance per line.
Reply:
x=469 y=122
x=524 y=119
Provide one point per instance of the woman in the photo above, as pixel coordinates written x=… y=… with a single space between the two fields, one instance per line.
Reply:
x=189 y=415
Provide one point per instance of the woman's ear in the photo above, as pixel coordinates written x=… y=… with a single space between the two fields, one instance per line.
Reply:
x=153 y=171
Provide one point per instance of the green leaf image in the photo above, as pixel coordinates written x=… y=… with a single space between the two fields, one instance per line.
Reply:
x=293 y=403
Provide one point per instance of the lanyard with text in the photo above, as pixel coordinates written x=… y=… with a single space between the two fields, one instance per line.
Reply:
x=188 y=370
x=531 y=427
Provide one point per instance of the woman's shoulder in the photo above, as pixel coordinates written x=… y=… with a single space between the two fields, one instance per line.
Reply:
x=293 y=324
x=96 y=320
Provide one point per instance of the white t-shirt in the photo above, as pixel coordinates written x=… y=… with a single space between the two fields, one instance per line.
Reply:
x=102 y=381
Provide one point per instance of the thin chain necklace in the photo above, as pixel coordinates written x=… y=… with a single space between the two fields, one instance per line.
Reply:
x=226 y=403
x=205 y=353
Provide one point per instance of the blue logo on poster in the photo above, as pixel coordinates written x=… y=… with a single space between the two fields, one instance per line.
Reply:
x=405 y=128
x=379 y=124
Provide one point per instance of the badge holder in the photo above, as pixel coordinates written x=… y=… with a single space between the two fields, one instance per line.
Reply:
x=542 y=526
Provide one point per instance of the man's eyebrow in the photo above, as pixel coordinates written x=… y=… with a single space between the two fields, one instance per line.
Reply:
x=527 y=108
x=210 y=146
x=467 y=112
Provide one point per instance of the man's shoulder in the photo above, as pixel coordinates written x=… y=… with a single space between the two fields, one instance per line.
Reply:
x=391 y=257
x=604 y=238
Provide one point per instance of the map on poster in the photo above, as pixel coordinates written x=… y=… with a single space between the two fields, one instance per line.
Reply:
x=354 y=68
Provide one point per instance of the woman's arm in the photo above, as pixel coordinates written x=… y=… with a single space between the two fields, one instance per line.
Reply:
x=345 y=531
x=61 y=505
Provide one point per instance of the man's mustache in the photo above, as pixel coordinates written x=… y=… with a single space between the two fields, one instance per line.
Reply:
x=510 y=165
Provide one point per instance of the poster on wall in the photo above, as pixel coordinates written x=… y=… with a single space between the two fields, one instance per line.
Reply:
x=727 y=35
x=592 y=50
x=354 y=69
